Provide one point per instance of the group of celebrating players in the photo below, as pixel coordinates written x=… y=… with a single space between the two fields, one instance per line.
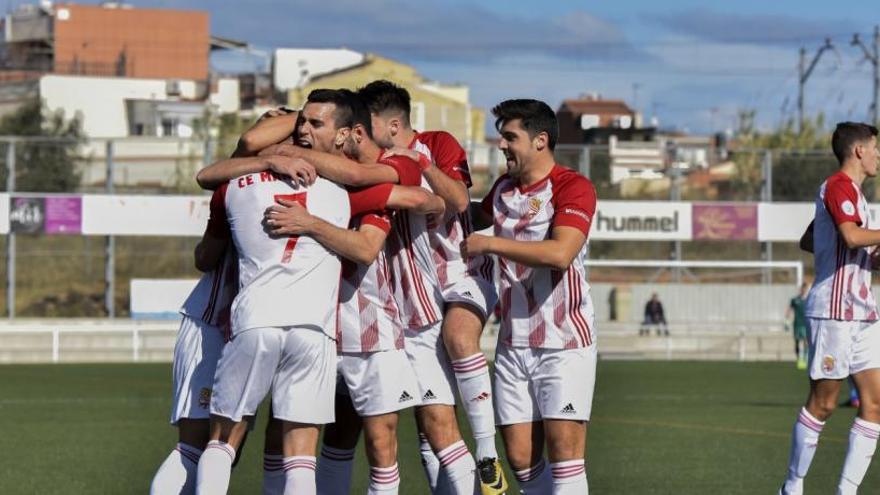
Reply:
x=343 y=277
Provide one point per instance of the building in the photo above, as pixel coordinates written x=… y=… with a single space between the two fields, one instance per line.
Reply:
x=110 y=39
x=592 y=120
x=434 y=105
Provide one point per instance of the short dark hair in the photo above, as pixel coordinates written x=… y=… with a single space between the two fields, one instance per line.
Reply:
x=382 y=96
x=342 y=115
x=359 y=112
x=846 y=135
x=535 y=115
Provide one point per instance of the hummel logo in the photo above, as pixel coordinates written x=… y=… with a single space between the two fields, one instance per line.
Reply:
x=568 y=409
x=483 y=396
x=429 y=395
x=404 y=397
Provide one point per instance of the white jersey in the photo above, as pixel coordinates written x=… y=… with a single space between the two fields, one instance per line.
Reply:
x=211 y=298
x=285 y=281
x=842 y=290
x=369 y=319
x=446 y=234
x=542 y=307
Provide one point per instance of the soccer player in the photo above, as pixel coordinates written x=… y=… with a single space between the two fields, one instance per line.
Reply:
x=468 y=289
x=545 y=362
x=203 y=331
x=841 y=312
x=796 y=312
x=377 y=374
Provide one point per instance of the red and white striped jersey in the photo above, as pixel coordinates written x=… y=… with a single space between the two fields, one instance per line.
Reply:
x=542 y=307
x=842 y=290
x=445 y=234
x=291 y=280
x=211 y=298
x=408 y=249
x=369 y=319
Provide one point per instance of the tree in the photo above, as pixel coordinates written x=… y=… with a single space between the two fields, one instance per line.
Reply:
x=43 y=165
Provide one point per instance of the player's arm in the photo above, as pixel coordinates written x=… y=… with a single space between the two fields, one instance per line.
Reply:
x=480 y=219
x=453 y=191
x=557 y=252
x=215 y=240
x=417 y=199
x=806 y=242
x=223 y=171
x=337 y=168
x=291 y=218
x=858 y=237
x=273 y=127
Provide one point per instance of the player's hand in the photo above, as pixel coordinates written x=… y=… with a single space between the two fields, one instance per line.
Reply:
x=475 y=245
x=287 y=218
x=285 y=149
x=297 y=169
x=875 y=259
x=274 y=112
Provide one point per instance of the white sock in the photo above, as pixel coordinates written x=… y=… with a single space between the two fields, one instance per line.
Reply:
x=299 y=475
x=334 y=470
x=472 y=375
x=535 y=480
x=273 y=474
x=458 y=468
x=430 y=463
x=177 y=475
x=384 y=480
x=804 y=440
x=569 y=477
x=215 y=466
x=862 y=443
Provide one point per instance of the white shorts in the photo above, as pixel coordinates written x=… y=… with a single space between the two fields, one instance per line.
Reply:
x=427 y=354
x=842 y=348
x=474 y=291
x=297 y=364
x=196 y=353
x=535 y=384
x=378 y=382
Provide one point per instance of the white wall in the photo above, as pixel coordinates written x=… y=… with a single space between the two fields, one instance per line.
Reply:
x=290 y=63
x=227 y=97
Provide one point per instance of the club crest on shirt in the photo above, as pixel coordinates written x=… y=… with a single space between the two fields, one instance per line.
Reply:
x=848 y=207
x=535 y=206
x=828 y=364
x=205 y=398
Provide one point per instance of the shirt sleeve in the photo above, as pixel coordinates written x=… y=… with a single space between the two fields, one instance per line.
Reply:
x=381 y=220
x=841 y=199
x=218 y=224
x=487 y=203
x=371 y=198
x=408 y=171
x=450 y=157
x=575 y=204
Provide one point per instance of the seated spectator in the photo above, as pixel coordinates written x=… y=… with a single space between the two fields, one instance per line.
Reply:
x=654 y=317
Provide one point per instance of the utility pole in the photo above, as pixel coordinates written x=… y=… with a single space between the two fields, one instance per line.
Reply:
x=804 y=72
x=872 y=55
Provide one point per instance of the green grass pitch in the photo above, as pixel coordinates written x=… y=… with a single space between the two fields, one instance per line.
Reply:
x=658 y=428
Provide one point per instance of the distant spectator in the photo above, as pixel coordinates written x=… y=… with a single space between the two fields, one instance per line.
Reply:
x=797 y=315
x=612 y=304
x=654 y=317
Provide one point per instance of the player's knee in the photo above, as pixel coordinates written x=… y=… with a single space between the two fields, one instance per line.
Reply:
x=822 y=407
x=869 y=409
x=461 y=344
x=439 y=425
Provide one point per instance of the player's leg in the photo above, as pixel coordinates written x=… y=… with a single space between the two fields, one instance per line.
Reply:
x=243 y=378
x=196 y=353
x=380 y=439
x=303 y=398
x=436 y=416
x=563 y=383
x=273 y=457
x=519 y=421
x=337 y=450
x=524 y=445
x=865 y=366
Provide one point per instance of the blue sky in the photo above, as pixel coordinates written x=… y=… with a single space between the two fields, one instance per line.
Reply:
x=690 y=64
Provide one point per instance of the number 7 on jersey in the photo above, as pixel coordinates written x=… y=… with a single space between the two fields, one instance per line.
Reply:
x=291 y=240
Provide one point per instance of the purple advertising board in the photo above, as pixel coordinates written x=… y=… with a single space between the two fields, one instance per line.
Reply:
x=63 y=215
x=725 y=222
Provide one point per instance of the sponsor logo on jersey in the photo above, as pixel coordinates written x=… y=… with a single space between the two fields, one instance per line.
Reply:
x=579 y=213
x=828 y=364
x=480 y=398
x=405 y=397
x=205 y=398
x=568 y=409
x=429 y=395
x=848 y=207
